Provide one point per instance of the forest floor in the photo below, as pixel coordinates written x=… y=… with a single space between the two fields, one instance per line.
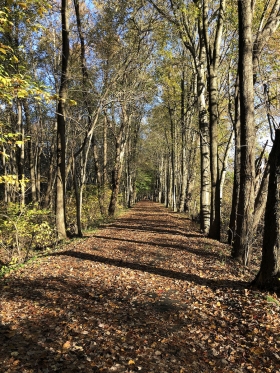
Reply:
x=146 y=293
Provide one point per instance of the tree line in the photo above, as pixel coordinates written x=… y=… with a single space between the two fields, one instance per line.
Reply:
x=107 y=102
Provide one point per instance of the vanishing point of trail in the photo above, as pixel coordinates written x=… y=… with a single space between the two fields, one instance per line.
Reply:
x=146 y=293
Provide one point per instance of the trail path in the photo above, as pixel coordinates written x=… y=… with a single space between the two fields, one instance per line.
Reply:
x=147 y=293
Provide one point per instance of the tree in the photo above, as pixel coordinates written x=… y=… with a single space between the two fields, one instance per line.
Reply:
x=269 y=273
x=243 y=239
x=213 y=57
x=249 y=55
x=61 y=123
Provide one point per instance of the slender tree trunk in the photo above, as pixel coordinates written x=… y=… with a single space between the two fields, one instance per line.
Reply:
x=31 y=152
x=47 y=201
x=20 y=155
x=184 y=171
x=105 y=146
x=237 y=166
x=173 y=161
x=161 y=180
x=225 y=165
x=243 y=238
x=98 y=173
x=261 y=198
x=61 y=123
x=213 y=54
x=191 y=168
x=215 y=218
x=79 y=201
x=205 y=193
x=121 y=143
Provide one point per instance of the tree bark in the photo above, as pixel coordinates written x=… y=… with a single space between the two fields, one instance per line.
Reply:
x=269 y=274
x=184 y=171
x=237 y=149
x=243 y=238
x=213 y=54
x=205 y=193
x=121 y=143
x=33 y=155
x=20 y=156
x=61 y=123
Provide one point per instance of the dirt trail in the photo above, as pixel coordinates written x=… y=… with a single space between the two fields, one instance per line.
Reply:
x=146 y=293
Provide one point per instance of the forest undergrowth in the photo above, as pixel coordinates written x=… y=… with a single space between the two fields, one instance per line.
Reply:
x=146 y=293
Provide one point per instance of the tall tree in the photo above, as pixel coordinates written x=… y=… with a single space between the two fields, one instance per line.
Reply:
x=250 y=52
x=213 y=58
x=61 y=124
x=243 y=239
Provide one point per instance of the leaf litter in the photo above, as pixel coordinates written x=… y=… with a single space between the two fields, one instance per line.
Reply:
x=147 y=293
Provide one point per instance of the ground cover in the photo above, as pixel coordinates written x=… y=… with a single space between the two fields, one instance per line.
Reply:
x=145 y=293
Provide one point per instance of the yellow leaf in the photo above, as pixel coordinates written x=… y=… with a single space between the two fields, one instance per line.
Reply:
x=72 y=102
x=14 y=59
x=66 y=346
x=131 y=362
x=22 y=5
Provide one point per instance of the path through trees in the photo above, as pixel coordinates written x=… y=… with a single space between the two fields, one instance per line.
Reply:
x=146 y=293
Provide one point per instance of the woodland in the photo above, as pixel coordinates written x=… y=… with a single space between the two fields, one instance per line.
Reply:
x=157 y=121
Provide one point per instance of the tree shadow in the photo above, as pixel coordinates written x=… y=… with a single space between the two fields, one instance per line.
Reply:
x=78 y=330
x=168 y=244
x=212 y=283
x=155 y=229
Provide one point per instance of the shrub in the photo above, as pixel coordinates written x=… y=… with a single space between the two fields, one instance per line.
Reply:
x=25 y=230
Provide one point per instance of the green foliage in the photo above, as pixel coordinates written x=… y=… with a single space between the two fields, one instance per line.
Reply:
x=24 y=230
x=91 y=214
x=271 y=299
x=144 y=183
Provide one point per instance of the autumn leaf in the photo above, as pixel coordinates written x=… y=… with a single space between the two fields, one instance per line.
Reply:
x=66 y=346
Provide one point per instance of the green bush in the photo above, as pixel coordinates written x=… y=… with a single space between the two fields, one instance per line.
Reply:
x=91 y=214
x=24 y=230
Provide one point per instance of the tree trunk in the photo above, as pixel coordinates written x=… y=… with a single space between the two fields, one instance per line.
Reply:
x=215 y=218
x=121 y=143
x=236 y=181
x=47 y=200
x=225 y=165
x=31 y=152
x=20 y=156
x=61 y=145
x=213 y=55
x=184 y=171
x=243 y=238
x=79 y=200
x=205 y=193
x=261 y=198
x=98 y=173
x=269 y=274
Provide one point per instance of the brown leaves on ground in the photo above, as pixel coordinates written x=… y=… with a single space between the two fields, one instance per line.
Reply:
x=148 y=293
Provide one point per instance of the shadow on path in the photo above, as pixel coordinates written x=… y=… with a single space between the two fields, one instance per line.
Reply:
x=199 y=252
x=212 y=283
